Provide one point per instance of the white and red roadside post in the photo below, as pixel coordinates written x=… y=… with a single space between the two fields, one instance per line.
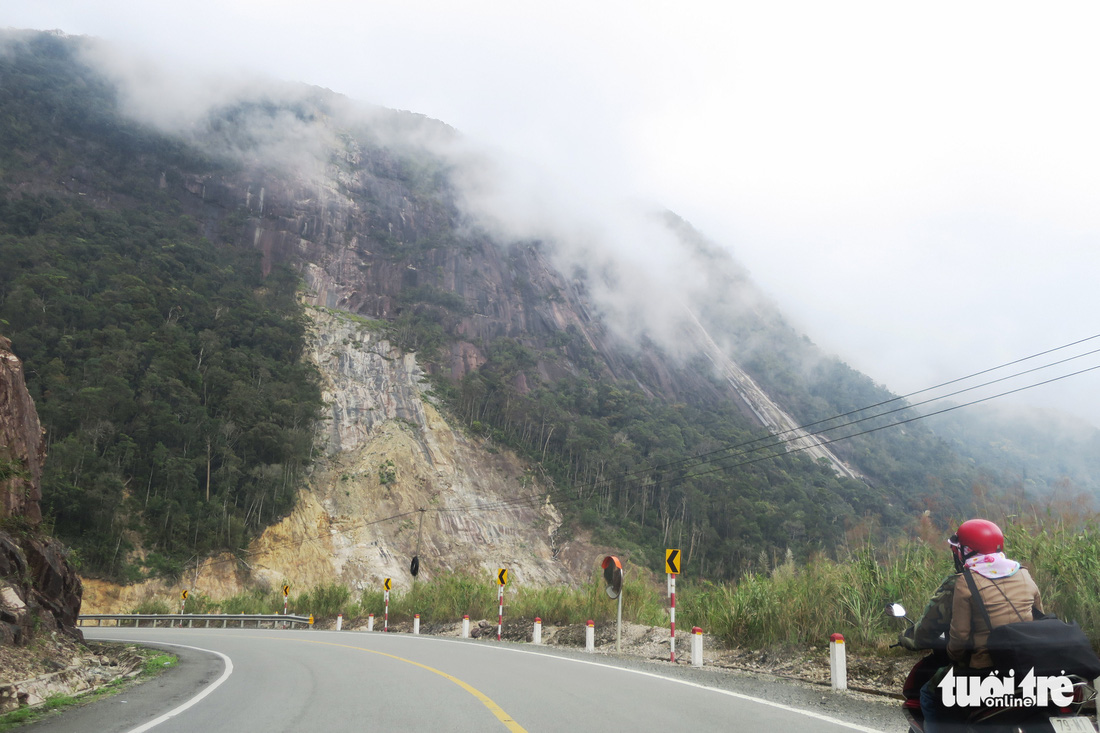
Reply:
x=502 y=579
x=465 y=626
x=339 y=621
x=590 y=636
x=536 y=637
x=386 y=617
x=672 y=618
x=416 y=623
x=672 y=567
x=696 y=646
x=370 y=622
x=838 y=664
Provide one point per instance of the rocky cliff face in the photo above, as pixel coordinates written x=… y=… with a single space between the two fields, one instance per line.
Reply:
x=366 y=229
x=38 y=586
x=22 y=450
x=399 y=480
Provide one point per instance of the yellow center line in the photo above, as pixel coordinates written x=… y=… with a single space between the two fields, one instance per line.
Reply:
x=495 y=709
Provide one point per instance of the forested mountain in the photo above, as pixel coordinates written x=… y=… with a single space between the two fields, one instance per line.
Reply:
x=153 y=284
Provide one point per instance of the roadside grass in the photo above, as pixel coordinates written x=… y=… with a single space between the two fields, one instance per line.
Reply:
x=785 y=603
x=155 y=662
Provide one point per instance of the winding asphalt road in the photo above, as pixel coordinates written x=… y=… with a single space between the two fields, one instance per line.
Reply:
x=321 y=681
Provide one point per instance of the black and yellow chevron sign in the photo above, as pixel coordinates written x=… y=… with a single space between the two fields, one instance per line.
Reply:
x=502 y=576
x=387 y=584
x=672 y=562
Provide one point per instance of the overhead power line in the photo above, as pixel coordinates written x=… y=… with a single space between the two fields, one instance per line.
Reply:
x=800 y=433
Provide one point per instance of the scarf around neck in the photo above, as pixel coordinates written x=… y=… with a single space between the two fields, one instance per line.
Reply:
x=993 y=565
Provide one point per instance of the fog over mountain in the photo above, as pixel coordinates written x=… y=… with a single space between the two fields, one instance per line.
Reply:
x=914 y=189
x=645 y=282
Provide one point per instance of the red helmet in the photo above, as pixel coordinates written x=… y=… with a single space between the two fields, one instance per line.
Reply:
x=978 y=536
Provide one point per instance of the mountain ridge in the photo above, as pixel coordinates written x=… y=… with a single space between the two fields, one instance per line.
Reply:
x=570 y=354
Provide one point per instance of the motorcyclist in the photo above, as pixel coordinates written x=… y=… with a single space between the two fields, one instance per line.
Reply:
x=1006 y=589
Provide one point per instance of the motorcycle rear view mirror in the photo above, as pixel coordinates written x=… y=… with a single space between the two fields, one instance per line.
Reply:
x=896 y=610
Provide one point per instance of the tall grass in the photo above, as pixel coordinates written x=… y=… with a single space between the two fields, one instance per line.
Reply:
x=445 y=598
x=1065 y=561
x=805 y=604
x=789 y=604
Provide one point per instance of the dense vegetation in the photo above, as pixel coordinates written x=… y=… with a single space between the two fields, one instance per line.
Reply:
x=625 y=464
x=168 y=376
x=166 y=370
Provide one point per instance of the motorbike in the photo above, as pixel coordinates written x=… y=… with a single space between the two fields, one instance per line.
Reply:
x=1007 y=716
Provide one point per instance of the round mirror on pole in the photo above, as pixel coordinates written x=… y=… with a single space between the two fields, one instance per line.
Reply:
x=613 y=576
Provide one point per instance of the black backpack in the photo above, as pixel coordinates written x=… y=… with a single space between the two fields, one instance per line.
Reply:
x=1047 y=644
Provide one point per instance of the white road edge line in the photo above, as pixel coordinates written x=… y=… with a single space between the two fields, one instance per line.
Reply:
x=193 y=701
x=730 y=693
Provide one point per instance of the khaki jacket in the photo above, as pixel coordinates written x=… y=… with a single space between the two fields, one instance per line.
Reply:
x=966 y=642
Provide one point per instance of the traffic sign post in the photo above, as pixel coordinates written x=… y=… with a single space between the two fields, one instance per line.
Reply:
x=672 y=567
x=502 y=579
x=386 y=617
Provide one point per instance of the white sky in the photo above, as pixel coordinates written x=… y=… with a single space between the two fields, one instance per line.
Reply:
x=916 y=184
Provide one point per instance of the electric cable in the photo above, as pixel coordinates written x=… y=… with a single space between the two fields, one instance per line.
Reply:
x=773 y=436
x=806 y=436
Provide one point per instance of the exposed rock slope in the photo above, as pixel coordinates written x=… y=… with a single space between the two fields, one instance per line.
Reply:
x=22 y=450
x=38 y=586
x=391 y=454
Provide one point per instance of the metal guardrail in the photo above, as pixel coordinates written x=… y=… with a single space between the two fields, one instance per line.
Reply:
x=271 y=620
